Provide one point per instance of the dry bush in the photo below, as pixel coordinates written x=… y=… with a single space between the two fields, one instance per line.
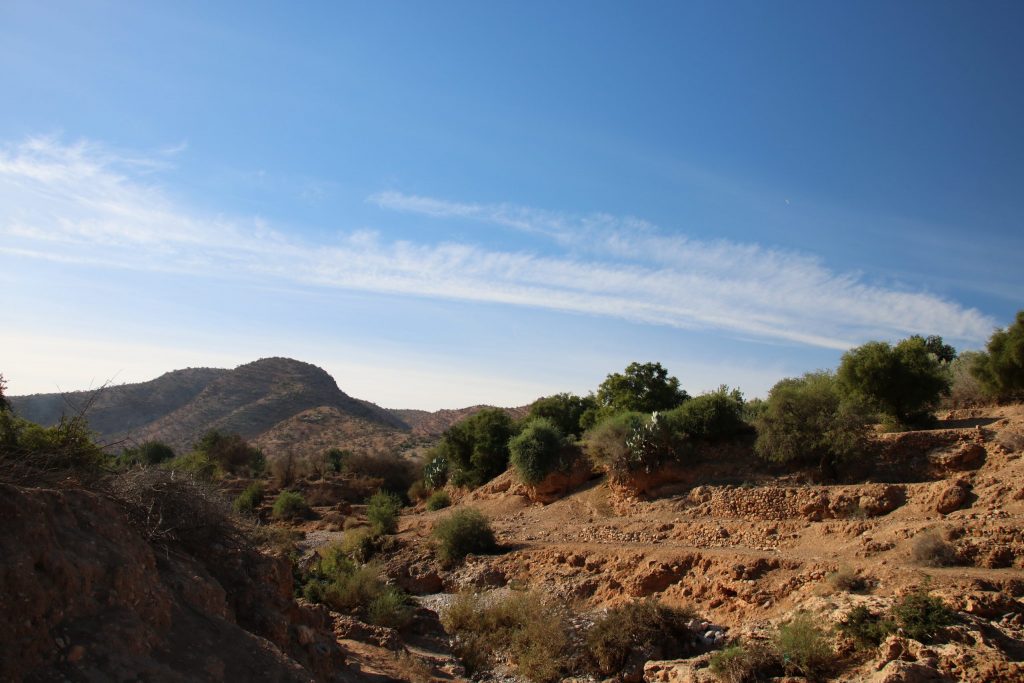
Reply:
x=743 y=663
x=392 y=472
x=639 y=631
x=284 y=470
x=532 y=634
x=804 y=647
x=847 y=580
x=930 y=549
x=413 y=669
x=169 y=509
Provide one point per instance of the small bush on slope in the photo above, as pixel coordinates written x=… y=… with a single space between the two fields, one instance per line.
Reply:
x=382 y=512
x=438 y=500
x=804 y=647
x=289 y=505
x=538 y=450
x=248 y=500
x=533 y=635
x=461 y=533
x=646 y=628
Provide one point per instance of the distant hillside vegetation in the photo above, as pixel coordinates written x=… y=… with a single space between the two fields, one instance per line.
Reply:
x=252 y=400
x=424 y=423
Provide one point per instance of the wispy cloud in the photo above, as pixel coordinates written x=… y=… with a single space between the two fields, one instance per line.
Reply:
x=83 y=203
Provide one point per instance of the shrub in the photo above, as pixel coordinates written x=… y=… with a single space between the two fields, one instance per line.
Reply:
x=438 y=500
x=195 y=464
x=1001 y=368
x=904 y=381
x=417 y=492
x=866 y=628
x=804 y=647
x=809 y=419
x=249 y=499
x=361 y=543
x=932 y=550
x=476 y=449
x=533 y=635
x=638 y=631
x=712 y=416
x=921 y=616
x=394 y=474
x=231 y=453
x=741 y=663
x=336 y=459
x=382 y=512
x=651 y=446
x=539 y=450
x=435 y=470
x=148 y=453
x=290 y=505
x=390 y=608
x=176 y=511
x=846 y=579
x=965 y=388
x=565 y=411
x=36 y=454
x=605 y=444
x=461 y=533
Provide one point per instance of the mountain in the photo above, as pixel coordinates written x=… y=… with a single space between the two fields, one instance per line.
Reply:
x=256 y=399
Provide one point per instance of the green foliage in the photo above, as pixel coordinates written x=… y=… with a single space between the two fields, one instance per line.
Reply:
x=647 y=629
x=642 y=387
x=195 y=464
x=804 y=647
x=866 y=628
x=382 y=512
x=438 y=500
x=1001 y=368
x=712 y=416
x=346 y=586
x=810 y=419
x=934 y=344
x=289 y=505
x=904 y=382
x=522 y=628
x=476 y=449
x=336 y=458
x=249 y=499
x=651 y=446
x=741 y=663
x=605 y=444
x=148 y=453
x=30 y=451
x=231 y=453
x=390 y=608
x=463 y=532
x=435 y=470
x=565 y=411
x=361 y=543
x=539 y=450
x=921 y=616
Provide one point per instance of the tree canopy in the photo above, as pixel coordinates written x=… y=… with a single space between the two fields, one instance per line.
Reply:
x=642 y=387
x=564 y=410
x=1001 y=368
x=904 y=382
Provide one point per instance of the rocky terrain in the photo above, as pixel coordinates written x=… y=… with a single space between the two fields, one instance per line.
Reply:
x=105 y=582
x=747 y=556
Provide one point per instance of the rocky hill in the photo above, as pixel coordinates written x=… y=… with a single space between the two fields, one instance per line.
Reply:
x=253 y=400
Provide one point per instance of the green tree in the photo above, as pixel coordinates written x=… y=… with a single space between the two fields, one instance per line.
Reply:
x=1001 y=368
x=564 y=410
x=539 y=450
x=231 y=452
x=904 y=381
x=476 y=449
x=642 y=387
x=943 y=352
x=810 y=419
x=148 y=453
x=709 y=417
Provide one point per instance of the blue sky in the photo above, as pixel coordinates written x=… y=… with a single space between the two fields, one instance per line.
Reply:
x=453 y=203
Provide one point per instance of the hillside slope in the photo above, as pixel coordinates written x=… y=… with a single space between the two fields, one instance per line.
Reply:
x=250 y=400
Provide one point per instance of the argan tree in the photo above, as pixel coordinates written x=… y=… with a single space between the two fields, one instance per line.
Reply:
x=1001 y=368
